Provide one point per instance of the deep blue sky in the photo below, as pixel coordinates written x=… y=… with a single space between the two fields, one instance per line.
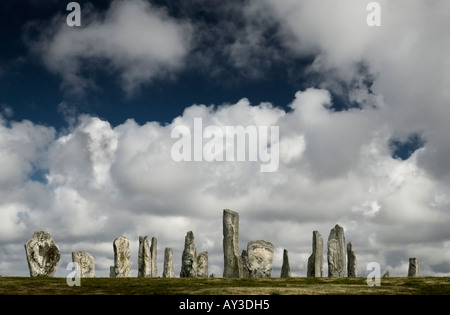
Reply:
x=34 y=93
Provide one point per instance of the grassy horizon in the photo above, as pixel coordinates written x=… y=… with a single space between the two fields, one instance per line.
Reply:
x=225 y=286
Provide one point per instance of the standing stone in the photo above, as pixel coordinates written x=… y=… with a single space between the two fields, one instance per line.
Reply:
x=351 y=261
x=336 y=252
x=189 y=257
x=112 y=272
x=315 y=261
x=42 y=254
x=168 y=263
x=153 y=250
x=260 y=258
x=122 y=263
x=202 y=265
x=86 y=263
x=285 y=269
x=144 y=258
x=232 y=262
x=413 y=269
x=244 y=262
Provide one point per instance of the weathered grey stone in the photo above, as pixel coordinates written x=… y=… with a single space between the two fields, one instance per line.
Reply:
x=336 y=252
x=112 y=272
x=315 y=261
x=285 y=268
x=244 y=261
x=232 y=262
x=413 y=269
x=122 y=263
x=260 y=258
x=189 y=257
x=202 y=265
x=86 y=263
x=351 y=261
x=153 y=250
x=168 y=263
x=213 y=275
x=42 y=254
x=144 y=258
x=386 y=274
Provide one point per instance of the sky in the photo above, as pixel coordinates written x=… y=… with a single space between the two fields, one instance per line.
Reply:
x=87 y=115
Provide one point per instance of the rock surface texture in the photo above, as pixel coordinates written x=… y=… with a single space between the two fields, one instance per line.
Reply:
x=86 y=263
x=232 y=261
x=285 y=268
x=202 y=265
x=189 y=257
x=315 y=261
x=351 y=261
x=122 y=263
x=42 y=254
x=336 y=252
x=413 y=269
x=168 y=263
x=153 y=251
x=260 y=258
x=144 y=258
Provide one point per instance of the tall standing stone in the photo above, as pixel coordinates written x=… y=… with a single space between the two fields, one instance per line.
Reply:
x=285 y=268
x=244 y=262
x=315 y=261
x=42 y=254
x=153 y=250
x=232 y=261
x=260 y=258
x=413 y=269
x=351 y=261
x=168 y=263
x=144 y=258
x=122 y=263
x=189 y=257
x=86 y=263
x=336 y=252
x=202 y=265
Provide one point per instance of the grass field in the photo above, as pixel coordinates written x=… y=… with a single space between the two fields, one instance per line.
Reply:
x=225 y=286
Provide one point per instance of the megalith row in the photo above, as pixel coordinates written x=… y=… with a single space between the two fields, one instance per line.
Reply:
x=339 y=257
x=193 y=265
x=43 y=257
x=255 y=262
x=147 y=255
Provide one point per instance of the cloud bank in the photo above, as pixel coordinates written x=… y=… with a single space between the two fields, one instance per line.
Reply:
x=132 y=40
x=95 y=181
x=335 y=167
